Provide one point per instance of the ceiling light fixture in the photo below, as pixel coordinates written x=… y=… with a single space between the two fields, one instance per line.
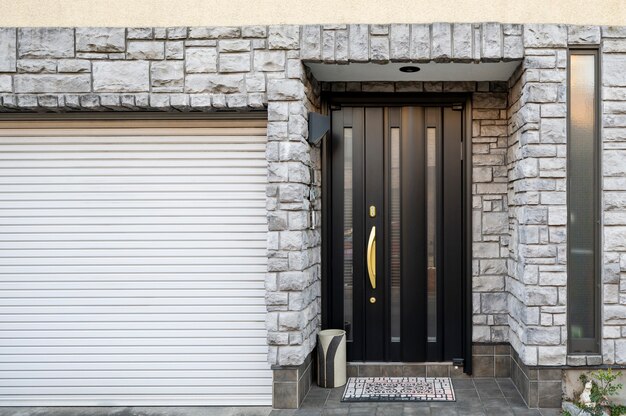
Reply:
x=409 y=68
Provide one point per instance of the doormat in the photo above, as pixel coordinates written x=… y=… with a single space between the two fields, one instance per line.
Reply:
x=401 y=389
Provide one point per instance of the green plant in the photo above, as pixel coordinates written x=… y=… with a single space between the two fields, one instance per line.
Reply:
x=603 y=386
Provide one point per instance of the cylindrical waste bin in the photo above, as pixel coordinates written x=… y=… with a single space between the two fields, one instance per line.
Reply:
x=331 y=358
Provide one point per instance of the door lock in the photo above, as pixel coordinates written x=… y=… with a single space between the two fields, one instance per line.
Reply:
x=372 y=299
x=372 y=211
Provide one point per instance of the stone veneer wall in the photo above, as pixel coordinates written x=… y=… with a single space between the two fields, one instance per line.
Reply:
x=490 y=233
x=613 y=42
x=537 y=198
x=261 y=68
x=242 y=69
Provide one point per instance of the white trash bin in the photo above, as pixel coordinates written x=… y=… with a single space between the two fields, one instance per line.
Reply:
x=331 y=358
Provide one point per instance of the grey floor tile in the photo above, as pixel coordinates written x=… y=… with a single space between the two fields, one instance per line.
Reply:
x=416 y=411
x=498 y=411
x=463 y=384
x=505 y=382
x=362 y=411
x=443 y=404
x=283 y=412
x=336 y=412
x=316 y=399
x=485 y=382
x=309 y=412
x=389 y=409
x=516 y=401
x=416 y=405
x=524 y=411
x=475 y=397
x=444 y=411
x=471 y=412
x=490 y=393
x=466 y=394
x=495 y=402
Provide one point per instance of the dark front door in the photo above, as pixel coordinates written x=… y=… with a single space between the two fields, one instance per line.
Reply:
x=396 y=256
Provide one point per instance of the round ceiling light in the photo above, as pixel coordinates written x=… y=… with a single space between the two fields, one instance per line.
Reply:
x=409 y=68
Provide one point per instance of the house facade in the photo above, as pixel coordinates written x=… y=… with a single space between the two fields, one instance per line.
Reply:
x=173 y=235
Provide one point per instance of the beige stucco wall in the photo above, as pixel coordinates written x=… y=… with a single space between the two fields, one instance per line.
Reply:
x=247 y=12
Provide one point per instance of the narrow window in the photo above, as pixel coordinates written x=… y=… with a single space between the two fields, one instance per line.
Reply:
x=396 y=239
x=583 y=189
x=347 y=233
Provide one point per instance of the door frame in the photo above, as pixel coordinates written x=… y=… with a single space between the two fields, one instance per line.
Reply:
x=331 y=100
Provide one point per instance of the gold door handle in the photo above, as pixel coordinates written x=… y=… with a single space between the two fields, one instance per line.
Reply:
x=371 y=257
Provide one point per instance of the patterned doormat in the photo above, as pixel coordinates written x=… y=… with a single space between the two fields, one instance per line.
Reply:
x=385 y=389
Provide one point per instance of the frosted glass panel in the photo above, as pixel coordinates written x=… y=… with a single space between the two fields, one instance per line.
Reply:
x=395 y=234
x=348 y=274
x=431 y=233
x=581 y=208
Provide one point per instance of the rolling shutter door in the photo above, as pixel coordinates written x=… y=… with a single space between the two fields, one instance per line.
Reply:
x=132 y=263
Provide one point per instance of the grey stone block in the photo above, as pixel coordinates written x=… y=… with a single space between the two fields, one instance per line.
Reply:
x=254 y=31
x=311 y=43
x=121 y=76
x=176 y=32
x=200 y=60
x=160 y=33
x=359 y=43
x=139 y=33
x=36 y=66
x=583 y=35
x=74 y=65
x=174 y=50
x=284 y=90
x=614 y=31
x=6 y=83
x=234 y=45
x=216 y=84
x=512 y=48
x=379 y=49
x=52 y=83
x=462 y=42
x=341 y=46
x=284 y=37
x=420 y=43
x=234 y=62
x=269 y=61
x=96 y=39
x=613 y=73
x=167 y=76
x=45 y=43
x=214 y=32
x=441 y=49
x=543 y=36
x=492 y=40
x=400 y=42
x=8 y=46
x=379 y=29
x=139 y=49
x=328 y=46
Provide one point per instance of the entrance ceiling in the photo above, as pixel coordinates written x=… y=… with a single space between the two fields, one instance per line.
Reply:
x=432 y=71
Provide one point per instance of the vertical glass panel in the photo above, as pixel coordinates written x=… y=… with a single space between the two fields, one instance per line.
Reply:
x=582 y=194
x=431 y=233
x=395 y=233
x=348 y=274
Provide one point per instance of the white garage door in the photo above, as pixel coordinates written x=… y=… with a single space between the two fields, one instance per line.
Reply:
x=132 y=263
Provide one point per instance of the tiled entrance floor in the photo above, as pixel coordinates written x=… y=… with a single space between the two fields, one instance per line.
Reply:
x=487 y=397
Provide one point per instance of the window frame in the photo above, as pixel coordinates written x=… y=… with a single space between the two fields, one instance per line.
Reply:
x=587 y=346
